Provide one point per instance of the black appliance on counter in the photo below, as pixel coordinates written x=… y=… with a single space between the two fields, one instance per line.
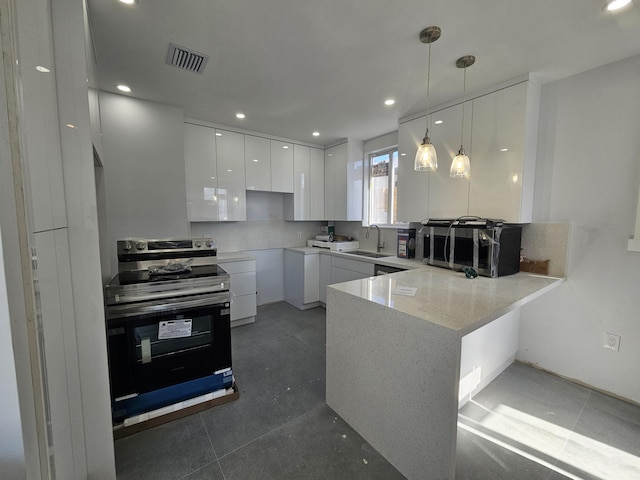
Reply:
x=489 y=246
x=168 y=324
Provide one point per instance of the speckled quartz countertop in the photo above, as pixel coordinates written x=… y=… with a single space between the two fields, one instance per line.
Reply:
x=448 y=298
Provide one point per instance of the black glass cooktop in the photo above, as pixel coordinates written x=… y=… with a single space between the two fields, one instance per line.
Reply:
x=143 y=276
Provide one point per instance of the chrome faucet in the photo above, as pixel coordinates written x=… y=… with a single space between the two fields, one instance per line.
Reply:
x=379 y=245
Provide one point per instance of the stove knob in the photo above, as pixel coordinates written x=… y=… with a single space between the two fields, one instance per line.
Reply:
x=141 y=245
x=127 y=246
x=210 y=243
x=197 y=244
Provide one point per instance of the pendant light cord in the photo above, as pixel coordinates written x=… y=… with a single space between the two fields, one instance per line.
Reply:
x=428 y=82
x=464 y=91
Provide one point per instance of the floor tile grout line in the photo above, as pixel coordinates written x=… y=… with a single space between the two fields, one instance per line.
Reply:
x=273 y=430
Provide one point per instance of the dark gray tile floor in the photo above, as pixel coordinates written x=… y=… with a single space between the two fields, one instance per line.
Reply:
x=525 y=425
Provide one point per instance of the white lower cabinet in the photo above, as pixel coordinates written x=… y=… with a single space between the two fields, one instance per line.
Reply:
x=325 y=276
x=346 y=269
x=307 y=274
x=243 y=291
x=302 y=279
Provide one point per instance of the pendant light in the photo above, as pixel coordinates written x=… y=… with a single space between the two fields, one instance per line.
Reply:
x=460 y=166
x=426 y=157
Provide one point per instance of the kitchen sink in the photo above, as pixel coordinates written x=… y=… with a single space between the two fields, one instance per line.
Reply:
x=364 y=253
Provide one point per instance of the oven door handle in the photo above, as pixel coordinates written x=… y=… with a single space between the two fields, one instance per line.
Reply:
x=131 y=310
x=136 y=297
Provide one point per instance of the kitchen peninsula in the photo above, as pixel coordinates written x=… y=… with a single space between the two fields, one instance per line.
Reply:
x=394 y=360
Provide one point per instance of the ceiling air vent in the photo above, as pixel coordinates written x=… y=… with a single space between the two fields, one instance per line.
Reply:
x=186 y=59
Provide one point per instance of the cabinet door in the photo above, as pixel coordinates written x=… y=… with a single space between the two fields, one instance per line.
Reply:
x=449 y=197
x=498 y=153
x=325 y=276
x=302 y=183
x=340 y=182
x=281 y=167
x=200 y=173
x=339 y=275
x=336 y=183
x=316 y=186
x=232 y=201
x=257 y=161
x=354 y=166
x=413 y=187
x=329 y=185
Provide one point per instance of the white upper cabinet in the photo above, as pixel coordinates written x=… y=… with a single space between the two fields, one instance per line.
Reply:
x=503 y=155
x=257 y=159
x=449 y=197
x=344 y=168
x=281 y=166
x=200 y=173
x=301 y=184
x=307 y=201
x=316 y=188
x=232 y=197
x=500 y=134
x=413 y=187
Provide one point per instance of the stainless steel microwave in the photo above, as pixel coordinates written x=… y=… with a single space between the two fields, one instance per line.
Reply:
x=491 y=247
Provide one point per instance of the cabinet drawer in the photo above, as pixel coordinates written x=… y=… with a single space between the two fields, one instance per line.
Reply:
x=353 y=265
x=243 y=283
x=243 y=306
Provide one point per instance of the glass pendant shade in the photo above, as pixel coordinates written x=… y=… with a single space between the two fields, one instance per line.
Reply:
x=460 y=166
x=426 y=157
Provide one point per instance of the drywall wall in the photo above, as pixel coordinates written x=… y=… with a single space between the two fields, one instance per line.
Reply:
x=143 y=146
x=588 y=174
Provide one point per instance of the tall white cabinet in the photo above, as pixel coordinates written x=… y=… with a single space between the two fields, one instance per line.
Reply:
x=505 y=129
x=214 y=174
x=449 y=197
x=232 y=196
x=307 y=201
x=257 y=158
x=500 y=134
x=343 y=184
x=281 y=166
x=201 y=173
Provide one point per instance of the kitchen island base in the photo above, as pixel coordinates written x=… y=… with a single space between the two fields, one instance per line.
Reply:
x=394 y=361
x=382 y=384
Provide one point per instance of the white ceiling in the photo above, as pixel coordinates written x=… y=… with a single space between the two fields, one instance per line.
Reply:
x=295 y=66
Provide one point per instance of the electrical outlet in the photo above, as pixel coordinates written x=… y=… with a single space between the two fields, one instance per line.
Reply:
x=612 y=342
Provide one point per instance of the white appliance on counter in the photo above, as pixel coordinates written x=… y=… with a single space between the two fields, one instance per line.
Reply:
x=336 y=246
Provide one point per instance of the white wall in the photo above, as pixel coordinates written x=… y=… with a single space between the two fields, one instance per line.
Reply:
x=587 y=174
x=143 y=146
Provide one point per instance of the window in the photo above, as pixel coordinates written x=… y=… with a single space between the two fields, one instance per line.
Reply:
x=383 y=187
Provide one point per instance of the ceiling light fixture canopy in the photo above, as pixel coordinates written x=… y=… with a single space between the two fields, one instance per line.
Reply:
x=460 y=166
x=426 y=157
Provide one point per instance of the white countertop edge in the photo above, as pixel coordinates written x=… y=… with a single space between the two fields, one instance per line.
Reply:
x=454 y=318
x=227 y=257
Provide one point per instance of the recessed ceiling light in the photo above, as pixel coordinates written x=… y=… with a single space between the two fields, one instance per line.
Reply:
x=389 y=101
x=256 y=160
x=218 y=134
x=229 y=170
x=614 y=5
x=403 y=154
x=42 y=69
x=124 y=88
x=439 y=122
x=71 y=125
x=128 y=2
x=504 y=149
x=285 y=146
x=316 y=134
x=240 y=115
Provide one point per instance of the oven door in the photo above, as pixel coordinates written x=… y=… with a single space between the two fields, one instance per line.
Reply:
x=159 y=343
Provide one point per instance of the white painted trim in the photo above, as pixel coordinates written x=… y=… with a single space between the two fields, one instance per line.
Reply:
x=633 y=245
